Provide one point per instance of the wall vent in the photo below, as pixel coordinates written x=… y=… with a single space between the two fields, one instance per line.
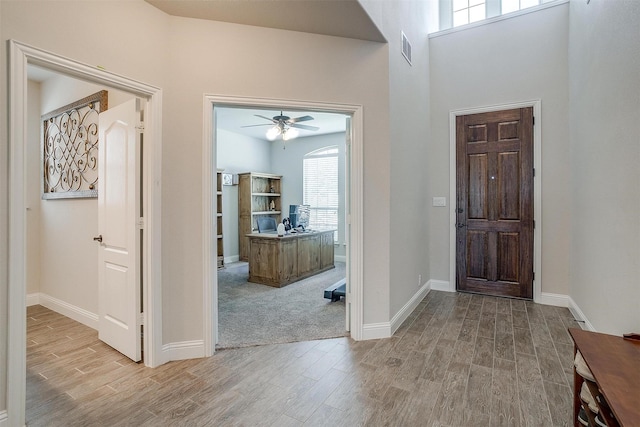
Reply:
x=406 y=48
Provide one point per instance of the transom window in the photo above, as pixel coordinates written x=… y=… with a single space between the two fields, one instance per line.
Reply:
x=320 y=188
x=455 y=13
x=513 y=5
x=467 y=11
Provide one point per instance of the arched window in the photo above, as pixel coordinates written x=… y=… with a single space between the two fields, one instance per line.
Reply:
x=320 y=188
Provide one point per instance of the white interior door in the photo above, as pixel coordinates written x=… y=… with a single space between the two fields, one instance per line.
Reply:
x=118 y=213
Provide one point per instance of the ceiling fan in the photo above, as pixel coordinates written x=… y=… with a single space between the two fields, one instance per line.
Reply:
x=285 y=126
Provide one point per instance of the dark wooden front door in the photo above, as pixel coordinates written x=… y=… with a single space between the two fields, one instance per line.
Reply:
x=494 y=211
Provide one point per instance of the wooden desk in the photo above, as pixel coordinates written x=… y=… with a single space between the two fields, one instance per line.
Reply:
x=279 y=260
x=615 y=365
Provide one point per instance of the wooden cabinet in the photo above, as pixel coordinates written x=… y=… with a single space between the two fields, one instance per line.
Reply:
x=218 y=223
x=258 y=196
x=613 y=361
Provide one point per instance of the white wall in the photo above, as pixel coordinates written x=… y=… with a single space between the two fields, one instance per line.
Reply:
x=519 y=59
x=604 y=65
x=288 y=163
x=191 y=57
x=226 y=59
x=237 y=154
x=403 y=199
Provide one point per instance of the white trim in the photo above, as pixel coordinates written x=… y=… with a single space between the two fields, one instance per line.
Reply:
x=537 y=187
x=183 y=350
x=498 y=18
x=407 y=309
x=230 y=259
x=354 y=260
x=440 y=285
x=374 y=331
x=78 y=314
x=20 y=56
x=557 y=300
x=340 y=258
x=33 y=299
x=579 y=316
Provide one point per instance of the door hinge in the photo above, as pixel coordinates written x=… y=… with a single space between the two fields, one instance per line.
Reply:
x=534 y=275
x=533 y=120
x=534 y=171
x=142 y=318
x=140 y=127
x=141 y=223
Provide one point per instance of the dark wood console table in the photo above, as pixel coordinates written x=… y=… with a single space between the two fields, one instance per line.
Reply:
x=615 y=365
x=279 y=260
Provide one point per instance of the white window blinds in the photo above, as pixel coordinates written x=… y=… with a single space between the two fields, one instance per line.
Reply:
x=320 y=188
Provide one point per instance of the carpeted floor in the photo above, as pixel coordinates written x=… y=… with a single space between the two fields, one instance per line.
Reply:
x=252 y=314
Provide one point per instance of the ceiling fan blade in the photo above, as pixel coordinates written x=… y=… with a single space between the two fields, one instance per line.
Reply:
x=300 y=119
x=306 y=127
x=250 y=126
x=266 y=118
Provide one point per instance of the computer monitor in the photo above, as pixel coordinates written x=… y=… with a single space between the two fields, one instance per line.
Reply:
x=299 y=216
x=266 y=224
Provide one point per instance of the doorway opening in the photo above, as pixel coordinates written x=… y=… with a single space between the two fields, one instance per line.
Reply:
x=295 y=178
x=21 y=58
x=352 y=196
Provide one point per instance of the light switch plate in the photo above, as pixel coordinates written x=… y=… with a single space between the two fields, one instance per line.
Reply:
x=439 y=201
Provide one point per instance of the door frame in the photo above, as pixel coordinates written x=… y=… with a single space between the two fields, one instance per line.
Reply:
x=354 y=196
x=20 y=57
x=537 y=188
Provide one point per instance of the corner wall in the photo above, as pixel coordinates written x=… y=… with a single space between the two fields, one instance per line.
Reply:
x=604 y=65
x=405 y=194
x=518 y=59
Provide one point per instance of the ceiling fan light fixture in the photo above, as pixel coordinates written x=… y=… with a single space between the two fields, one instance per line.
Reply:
x=273 y=133
x=290 y=133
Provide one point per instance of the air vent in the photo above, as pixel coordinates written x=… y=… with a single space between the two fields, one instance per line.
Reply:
x=406 y=48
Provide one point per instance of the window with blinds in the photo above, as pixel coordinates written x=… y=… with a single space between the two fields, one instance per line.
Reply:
x=320 y=188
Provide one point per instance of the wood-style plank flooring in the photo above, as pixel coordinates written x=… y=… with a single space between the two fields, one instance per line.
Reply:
x=458 y=360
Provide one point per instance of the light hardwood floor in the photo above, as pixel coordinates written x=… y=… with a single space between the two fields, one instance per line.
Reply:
x=459 y=360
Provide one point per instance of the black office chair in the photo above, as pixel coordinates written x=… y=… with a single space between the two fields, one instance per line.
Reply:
x=266 y=224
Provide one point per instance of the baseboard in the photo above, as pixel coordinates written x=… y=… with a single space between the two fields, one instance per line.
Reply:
x=557 y=300
x=372 y=331
x=407 y=309
x=33 y=299
x=76 y=313
x=579 y=316
x=183 y=350
x=440 y=285
x=230 y=259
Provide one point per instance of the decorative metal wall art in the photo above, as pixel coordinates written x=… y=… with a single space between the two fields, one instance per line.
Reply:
x=70 y=148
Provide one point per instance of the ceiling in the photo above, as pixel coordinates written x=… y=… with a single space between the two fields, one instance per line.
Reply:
x=340 y=18
x=233 y=119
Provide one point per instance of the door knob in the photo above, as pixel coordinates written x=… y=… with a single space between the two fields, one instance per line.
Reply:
x=462 y=225
x=98 y=239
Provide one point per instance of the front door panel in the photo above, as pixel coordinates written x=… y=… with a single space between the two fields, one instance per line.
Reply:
x=494 y=210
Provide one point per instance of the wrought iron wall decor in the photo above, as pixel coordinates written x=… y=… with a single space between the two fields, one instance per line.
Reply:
x=70 y=148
